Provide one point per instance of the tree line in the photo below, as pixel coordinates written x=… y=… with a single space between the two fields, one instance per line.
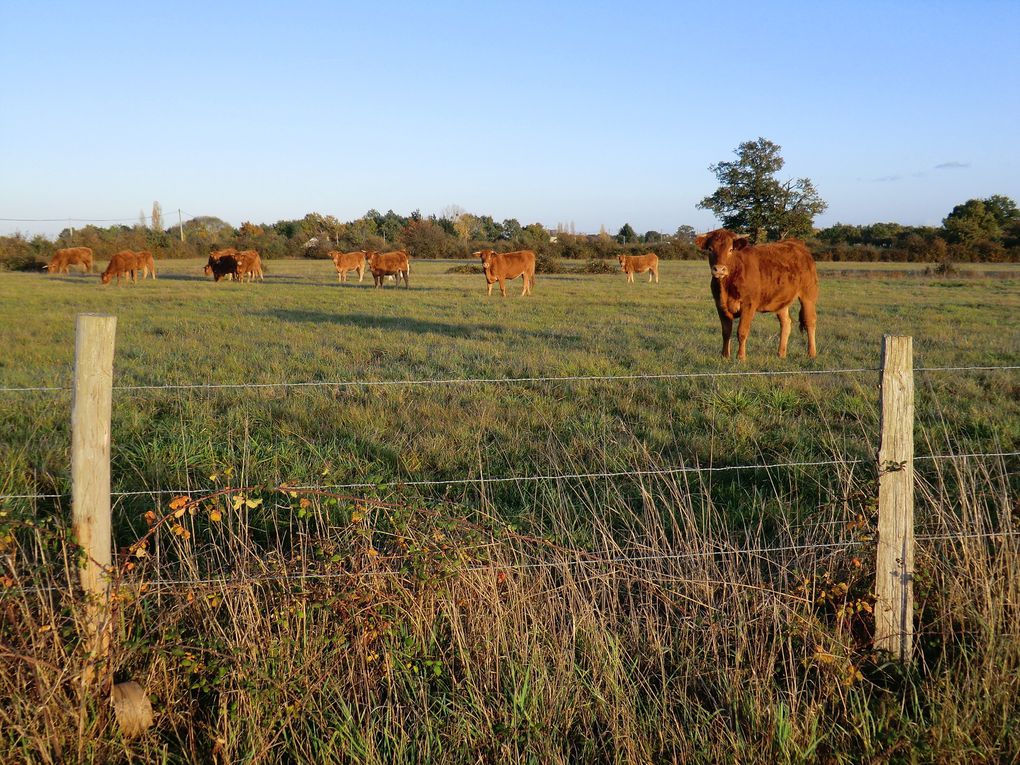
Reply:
x=751 y=199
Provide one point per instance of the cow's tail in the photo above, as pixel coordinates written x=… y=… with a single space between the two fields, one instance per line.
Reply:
x=803 y=320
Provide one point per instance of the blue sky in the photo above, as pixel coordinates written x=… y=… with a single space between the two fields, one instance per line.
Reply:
x=591 y=113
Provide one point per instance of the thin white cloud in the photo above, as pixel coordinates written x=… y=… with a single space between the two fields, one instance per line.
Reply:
x=952 y=165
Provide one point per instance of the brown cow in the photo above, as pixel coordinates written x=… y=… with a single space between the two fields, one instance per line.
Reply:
x=393 y=263
x=145 y=263
x=249 y=264
x=749 y=278
x=221 y=266
x=349 y=261
x=124 y=263
x=71 y=256
x=217 y=254
x=638 y=264
x=500 y=267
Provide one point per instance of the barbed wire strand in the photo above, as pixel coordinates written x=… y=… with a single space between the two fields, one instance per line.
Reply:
x=579 y=559
x=502 y=380
x=531 y=478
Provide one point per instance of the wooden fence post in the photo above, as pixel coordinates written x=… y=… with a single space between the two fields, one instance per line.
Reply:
x=90 y=476
x=894 y=571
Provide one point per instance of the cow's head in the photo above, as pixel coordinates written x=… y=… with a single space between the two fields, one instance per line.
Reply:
x=207 y=270
x=486 y=257
x=105 y=278
x=721 y=246
x=622 y=259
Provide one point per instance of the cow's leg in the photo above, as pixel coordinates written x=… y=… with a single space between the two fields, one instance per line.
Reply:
x=502 y=286
x=651 y=275
x=727 y=332
x=656 y=272
x=630 y=277
x=743 y=330
x=808 y=319
x=783 y=314
x=407 y=284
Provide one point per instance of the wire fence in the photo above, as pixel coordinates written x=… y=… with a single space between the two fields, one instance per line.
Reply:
x=441 y=381
x=483 y=480
x=575 y=559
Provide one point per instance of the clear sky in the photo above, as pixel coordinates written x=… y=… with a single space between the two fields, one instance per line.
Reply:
x=551 y=112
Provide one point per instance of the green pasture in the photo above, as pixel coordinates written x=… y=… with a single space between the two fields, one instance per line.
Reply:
x=709 y=616
x=300 y=325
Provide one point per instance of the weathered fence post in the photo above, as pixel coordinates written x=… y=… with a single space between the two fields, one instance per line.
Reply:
x=894 y=572
x=90 y=476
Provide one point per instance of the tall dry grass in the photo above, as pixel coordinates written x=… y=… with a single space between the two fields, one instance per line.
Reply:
x=284 y=626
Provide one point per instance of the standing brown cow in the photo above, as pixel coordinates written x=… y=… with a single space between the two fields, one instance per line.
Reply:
x=499 y=267
x=349 y=261
x=749 y=278
x=124 y=263
x=71 y=256
x=219 y=267
x=393 y=263
x=145 y=263
x=638 y=264
x=249 y=264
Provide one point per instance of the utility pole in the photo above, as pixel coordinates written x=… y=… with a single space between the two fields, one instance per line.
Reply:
x=180 y=220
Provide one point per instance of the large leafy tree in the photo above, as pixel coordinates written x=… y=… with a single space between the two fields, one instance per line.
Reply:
x=981 y=219
x=753 y=201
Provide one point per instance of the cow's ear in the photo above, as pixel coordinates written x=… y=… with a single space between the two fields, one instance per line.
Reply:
x=700 y=241
x=741 y=242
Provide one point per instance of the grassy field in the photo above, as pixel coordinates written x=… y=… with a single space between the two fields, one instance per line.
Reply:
x=454 y=624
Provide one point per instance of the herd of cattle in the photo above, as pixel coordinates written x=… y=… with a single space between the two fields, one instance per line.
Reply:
x=746 y=278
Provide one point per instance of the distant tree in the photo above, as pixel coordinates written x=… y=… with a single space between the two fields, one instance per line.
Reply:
x=510 y=230
x=651 y=236
x=971 y=222
x=156 y=222
x=685 y=234
x=626 y=234
x=752 y=200
x=981 y=219
x=427 y=239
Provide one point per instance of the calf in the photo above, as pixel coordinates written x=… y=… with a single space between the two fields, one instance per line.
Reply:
x=638 y=264
x=349 y=261
x=123 y=263
x=71 y=256
x=144 y=262
x=500 y=267
x=394 y=263
x=749 y=278
x=249 y=264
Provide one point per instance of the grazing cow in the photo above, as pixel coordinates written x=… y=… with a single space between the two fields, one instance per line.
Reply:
x=124 y=263
x=349 y=261
x=71 y=256
x=500 y=267
x=750 y=278
x=228 y=252
x=249 y=264
x=219 y=267
x=638 y=264
x=394 y=263
x=145 y=263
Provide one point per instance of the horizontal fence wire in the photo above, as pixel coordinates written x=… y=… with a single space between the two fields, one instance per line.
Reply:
x=502 y=380
x=576 y=560
x=532 y=478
